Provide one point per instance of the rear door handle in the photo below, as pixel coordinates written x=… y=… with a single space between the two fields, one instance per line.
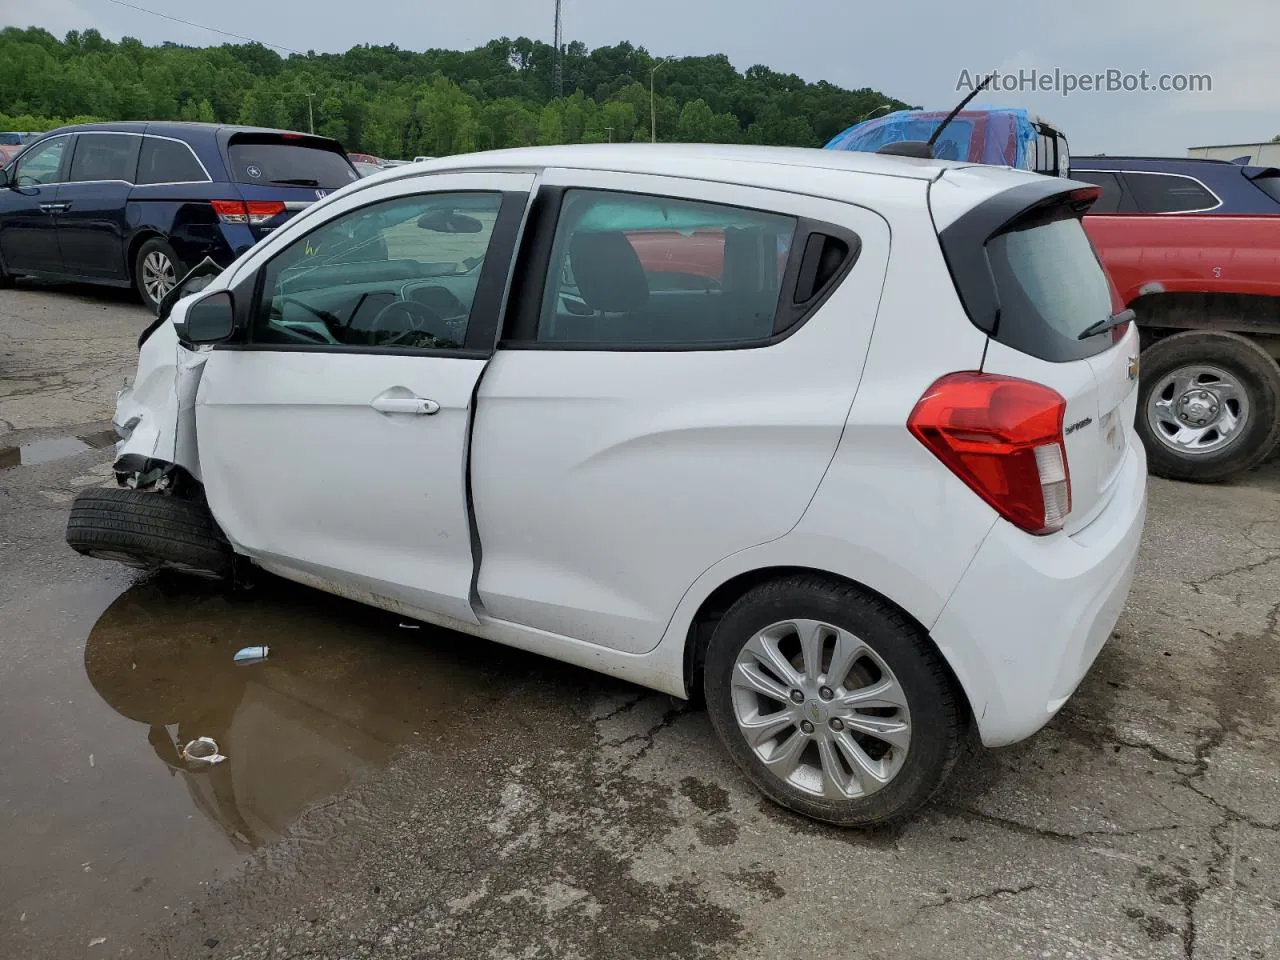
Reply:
x=54 y=207
x=415 y=405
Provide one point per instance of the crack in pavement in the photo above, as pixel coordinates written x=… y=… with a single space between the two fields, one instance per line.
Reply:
x=1223 y=574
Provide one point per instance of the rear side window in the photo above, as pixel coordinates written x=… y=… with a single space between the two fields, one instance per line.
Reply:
x=1112 y=194
x=636 y=270
x=277 y=161
x=1049 y=281
x=1169 y=193
x=168 y=161
x=104 y=156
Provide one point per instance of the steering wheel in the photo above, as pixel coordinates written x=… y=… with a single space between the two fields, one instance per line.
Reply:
x=416 y=321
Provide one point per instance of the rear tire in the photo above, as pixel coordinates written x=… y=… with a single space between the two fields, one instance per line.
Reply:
x=896 y=681
x=150 y=531
x=1214 y=365
x=156 y=271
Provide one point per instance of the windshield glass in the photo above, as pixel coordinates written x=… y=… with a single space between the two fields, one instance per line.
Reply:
x=283 y=163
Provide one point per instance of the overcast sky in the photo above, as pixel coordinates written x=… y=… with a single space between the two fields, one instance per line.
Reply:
x=912 y=49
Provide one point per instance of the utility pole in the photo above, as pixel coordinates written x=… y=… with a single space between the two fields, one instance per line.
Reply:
x=653 y=116
x=557 y=68
x=609 y=131
x=311 y=113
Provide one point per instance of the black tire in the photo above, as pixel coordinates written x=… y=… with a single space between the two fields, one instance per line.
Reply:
x=140 y=275
x=151 y=531
x=1243 y=359
x=938 y=719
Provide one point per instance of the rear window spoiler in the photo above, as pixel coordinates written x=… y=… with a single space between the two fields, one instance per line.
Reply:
x=1261 y=173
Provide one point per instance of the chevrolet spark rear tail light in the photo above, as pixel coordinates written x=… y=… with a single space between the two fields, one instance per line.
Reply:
x=255 y=212
x=1003 y=437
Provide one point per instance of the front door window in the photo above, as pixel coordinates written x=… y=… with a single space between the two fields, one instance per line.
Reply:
x=41 y=164
x=401 y=274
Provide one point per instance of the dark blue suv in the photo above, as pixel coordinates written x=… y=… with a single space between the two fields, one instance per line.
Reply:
x=140 y=203
x=1178 y=185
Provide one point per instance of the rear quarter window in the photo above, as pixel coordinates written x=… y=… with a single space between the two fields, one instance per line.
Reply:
x=1169 y=193
x=283 y=162
x=168 y=161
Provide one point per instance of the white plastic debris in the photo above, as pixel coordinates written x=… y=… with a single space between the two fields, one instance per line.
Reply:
x=202 y=751
x=247 y=655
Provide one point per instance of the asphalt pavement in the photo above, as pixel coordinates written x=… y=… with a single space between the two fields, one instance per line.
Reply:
x=392 y=790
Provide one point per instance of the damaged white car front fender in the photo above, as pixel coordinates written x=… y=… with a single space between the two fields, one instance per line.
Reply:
x=155 y=415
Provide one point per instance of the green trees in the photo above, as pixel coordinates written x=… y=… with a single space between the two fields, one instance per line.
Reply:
x=401 y=103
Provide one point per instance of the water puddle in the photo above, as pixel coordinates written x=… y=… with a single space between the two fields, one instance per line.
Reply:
x=301 y=693
x=56 y=448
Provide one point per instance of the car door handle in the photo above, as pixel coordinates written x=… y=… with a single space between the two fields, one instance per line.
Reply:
x=415 y=405
x=54 y=207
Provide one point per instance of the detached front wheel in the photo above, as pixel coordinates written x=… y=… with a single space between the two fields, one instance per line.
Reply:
x=831 y=702
x=1209 y=406
x=150 y=531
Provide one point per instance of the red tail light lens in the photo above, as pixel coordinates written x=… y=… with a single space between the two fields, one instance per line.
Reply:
x=231 y=211
x=255 y=211
x=1003 y=437
x=260 y=211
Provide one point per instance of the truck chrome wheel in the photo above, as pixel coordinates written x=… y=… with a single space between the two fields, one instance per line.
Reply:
x=1198 y=410
x=820 y=709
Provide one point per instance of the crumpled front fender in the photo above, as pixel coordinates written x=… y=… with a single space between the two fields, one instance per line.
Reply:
x=155 y=416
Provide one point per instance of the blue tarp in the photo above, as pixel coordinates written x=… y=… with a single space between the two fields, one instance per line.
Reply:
x=1001 y=136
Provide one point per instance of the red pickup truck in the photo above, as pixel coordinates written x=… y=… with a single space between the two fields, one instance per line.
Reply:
x=1193 y=247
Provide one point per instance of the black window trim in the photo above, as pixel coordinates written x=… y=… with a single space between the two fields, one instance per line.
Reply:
x=491 y=288
x=520 y=326
x=1122 y=176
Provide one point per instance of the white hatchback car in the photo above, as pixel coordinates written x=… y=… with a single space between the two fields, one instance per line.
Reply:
x=843 y=441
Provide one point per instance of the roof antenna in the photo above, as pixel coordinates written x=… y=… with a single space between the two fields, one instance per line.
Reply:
x=924 y=149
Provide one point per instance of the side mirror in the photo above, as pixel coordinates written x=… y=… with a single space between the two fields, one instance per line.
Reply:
x=4 y=178
x=208 y=321
x=195 y=280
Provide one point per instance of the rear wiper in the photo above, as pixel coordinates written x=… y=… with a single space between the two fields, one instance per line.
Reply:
x=298 y=182
x=1102 y=326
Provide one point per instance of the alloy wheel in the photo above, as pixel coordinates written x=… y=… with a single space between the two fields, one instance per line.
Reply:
x=821 y=709
x=158 y=275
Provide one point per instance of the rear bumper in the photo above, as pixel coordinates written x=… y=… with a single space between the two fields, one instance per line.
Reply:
x=1031 y=613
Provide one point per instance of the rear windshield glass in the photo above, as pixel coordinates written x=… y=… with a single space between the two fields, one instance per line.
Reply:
x=279 y=162
x=1048 y=280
